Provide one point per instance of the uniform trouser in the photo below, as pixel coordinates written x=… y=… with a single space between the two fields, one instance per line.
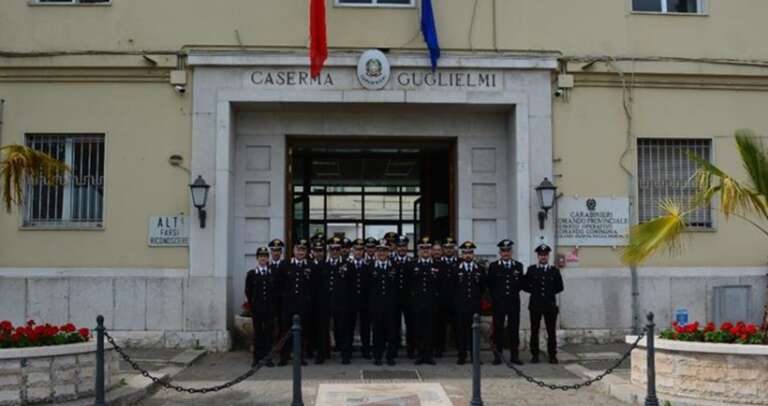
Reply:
x=286 y=322
x=360 y=316
x=340 y=319
x=263 y=324
x=463 y=330
x=385 y=335
x=550 y=322
x=443 y=317
x=507 y=324
x=423 y=319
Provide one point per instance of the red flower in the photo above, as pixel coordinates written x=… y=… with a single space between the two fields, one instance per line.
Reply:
x=68 y=328
x=84 y=332
x=726 y=326
x=751 y=329
x=6 y=326
x=736 y=330
x=710 y=327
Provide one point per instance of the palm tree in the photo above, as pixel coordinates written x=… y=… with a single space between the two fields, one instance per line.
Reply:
x=20 y=164
x=746 y=200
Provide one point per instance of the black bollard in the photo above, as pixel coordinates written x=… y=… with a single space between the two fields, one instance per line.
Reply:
x=650 y=398
x=477 y=399
x=296 y=329
x=99 y=390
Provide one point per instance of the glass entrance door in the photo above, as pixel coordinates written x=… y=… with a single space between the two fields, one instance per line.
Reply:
x=364 y=190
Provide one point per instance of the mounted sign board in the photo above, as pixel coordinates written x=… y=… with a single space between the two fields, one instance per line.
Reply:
x=169 y=231
x=593 y=221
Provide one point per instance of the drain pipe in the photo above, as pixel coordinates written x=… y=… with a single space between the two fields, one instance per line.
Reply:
x=2 y=106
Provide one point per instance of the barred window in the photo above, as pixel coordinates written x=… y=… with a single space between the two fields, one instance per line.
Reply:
x=77 y=201
x=668 y=6
x=665 y=172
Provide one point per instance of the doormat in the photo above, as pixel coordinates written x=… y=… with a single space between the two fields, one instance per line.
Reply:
x=391 y=375
x=389 y=394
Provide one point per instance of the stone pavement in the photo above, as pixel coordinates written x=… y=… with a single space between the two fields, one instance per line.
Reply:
x=273 y=386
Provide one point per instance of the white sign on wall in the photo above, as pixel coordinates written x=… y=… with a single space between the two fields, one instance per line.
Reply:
x=593 y=221
x=169 y=231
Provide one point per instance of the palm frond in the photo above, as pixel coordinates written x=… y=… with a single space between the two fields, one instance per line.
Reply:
x=735 y=197
x=20 y=164
x=662 y=233
x=754 y=156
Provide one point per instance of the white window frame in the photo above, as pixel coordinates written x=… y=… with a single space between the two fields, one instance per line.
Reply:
x=69 y=3
x=66 y=223
x=374 y=4
x=701 y=5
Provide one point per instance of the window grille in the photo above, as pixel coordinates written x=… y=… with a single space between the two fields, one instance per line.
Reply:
x=77 y=200
x=665 y=172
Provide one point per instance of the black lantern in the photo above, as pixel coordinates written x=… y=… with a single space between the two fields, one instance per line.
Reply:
x=199 y=191
x=547 y=193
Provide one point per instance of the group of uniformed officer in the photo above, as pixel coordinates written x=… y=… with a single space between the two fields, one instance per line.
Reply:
x=372 y=285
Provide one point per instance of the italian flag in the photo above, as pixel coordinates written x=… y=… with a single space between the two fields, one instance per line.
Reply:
x=318 y=41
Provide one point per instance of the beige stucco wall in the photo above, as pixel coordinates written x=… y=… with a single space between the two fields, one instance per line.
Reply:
x=144 y=123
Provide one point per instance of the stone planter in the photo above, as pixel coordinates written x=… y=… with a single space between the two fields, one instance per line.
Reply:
x=52 y=374
x=729 y=373
x=243 y=328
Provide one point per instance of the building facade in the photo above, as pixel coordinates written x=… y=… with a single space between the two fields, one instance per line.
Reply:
x=602 y=97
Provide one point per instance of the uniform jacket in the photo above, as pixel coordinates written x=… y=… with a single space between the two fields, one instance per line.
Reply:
x=296 y=285
x=361 y=281
x=260 y=290
x=384 y=292
x=401 y=265
x=543 y=282
x=468 y=289
x=422 y=282
x=505 y=281
x=334 y=285
x=447 y=280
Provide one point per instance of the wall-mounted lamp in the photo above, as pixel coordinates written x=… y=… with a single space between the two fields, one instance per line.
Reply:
x=547 y=192
x=199 y=191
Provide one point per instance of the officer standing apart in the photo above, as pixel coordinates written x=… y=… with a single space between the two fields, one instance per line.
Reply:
x=383 y=296
x=333 y=291
x=543 y=282
x=296 y=284
x=259 y=290
x=506 y=280
x=470 y=282
x=422 y=284
x=359 y=312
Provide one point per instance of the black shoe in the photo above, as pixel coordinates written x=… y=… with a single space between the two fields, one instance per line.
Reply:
x=378 y=362
x=319 y=361
x=439 y=354
x=553 y=360
x=430 y=361
x=303 y=363
x=535 y=359
x=516 y=360
x=282 y=363
x=345 y=361
x=269 y=364
x=419 y=361
x=496 y=359
x=366 y=355
x=461 y=361
x=411 y=354
x=391 y=362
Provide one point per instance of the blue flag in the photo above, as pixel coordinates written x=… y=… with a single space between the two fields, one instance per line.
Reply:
x=429 y=29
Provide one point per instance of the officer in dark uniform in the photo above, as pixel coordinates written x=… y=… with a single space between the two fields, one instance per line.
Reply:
x=370 y=249
x=422 y=277
x=296 y=284
x=334 y=292
x=359 y=310
x=446 y=278
x=401 y=261
x=276 y=264
x=383 y=297
x=544 y=282
x=506 y=279
x=259 y=290
x=470 y=283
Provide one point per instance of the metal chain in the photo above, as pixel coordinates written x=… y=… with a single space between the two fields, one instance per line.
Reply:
x=177 y=388
x=579 y=385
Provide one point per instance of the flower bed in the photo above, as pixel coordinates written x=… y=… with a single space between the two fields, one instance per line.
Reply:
x=725 y=364
x=48 y=364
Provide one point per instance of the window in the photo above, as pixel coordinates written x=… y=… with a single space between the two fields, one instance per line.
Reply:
x=77 y=201
x=665 y=171
x=376 y=3
x=82 y=2
x=668 y=6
